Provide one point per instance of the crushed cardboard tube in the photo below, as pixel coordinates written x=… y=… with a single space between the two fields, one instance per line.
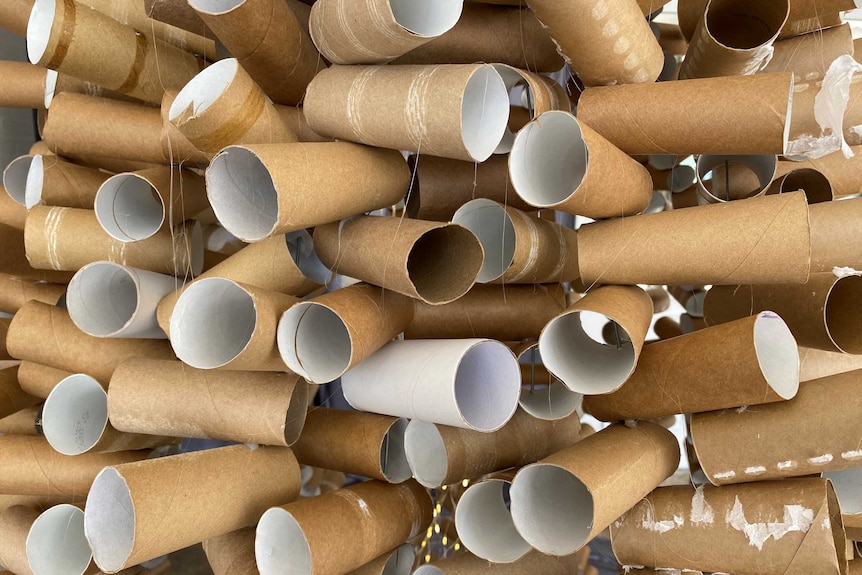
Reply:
x=397 y=562
x=834 y=225
x=38 y=380
x=533 y=562
x=57 y=182
x=721 y=187
x=56 y=544
x=14 y=398
x=542 y=395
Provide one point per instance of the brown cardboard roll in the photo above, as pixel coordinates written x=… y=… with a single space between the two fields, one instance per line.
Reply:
x=177 y=13
x=15 y=524
x=25 y=87
x=542 y=395
x=833 y=227
x=12 y=213
x=816 y=363
x=56 y=182
x=397 y=562
x=808 y=56
x=14 y=16
x=14 y=398
x=14 y=261
x=533 y=562
x=22 y=422
x=15 y=292
x=815 y=185
x=232 y=553
x=840 y=171
x=666 y=328
x=38 y=380
x=733 y=177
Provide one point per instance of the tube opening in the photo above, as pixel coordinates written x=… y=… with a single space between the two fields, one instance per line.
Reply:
x=393 y=458
x=490 y=223
x=444 y=263
x=723 y=178
x=56 y=544
x=300 y=244
x=34 y=182
x=777 y=354
x=280 y=545
x=542 y=395
x=815 y=185
x=15 y=178
x=102 y=298
x=426 y=19
x=314 y=342
x=242 y=193
x=743 y=25
x=297 y=409
x=484 y=112
x=39 y=29
x=203 y=90
x=401 y=561
x=487 y=386
x=848 y=489
x=485 y=524
x=109 y=522
x=426 y=453
x=843 y=314
x=75 y=414
x=128 y=208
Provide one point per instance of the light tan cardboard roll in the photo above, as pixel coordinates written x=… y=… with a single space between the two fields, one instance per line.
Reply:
x=822 y=21
x=846 y=483
x=15 y=524
x=270 y=39
x=808 y=56
x=690 y=297
x=580 y=490
x=749 y=361
x=833 y=225
x=14 y=261
x=21 y=422
x=840 y=171
x=57 y=182
x=814 y=363
x=397 y=562
x=176 y=147
x=56 y=544
x=542 y=395
x=453 y=111
x=440 y=454
x=294 y=117
x=14 y=15
x=12 y=213
x=324 y=337
x=15 y=178
x=232 y=553
x=729 y=115
x=735 y=446
x=791 y=526
x=177 y=13
x=354 y=442
x=45 y=334
x=38 y=380
x=533 y=562
x=15 y=292
x=132 y=516
x=433 y=262
x=558 y=162
x=169 y=398
x=14 y=398
x=760 y=240
x=582 y=362
x=25 y=87
x=723 y=186
x=298 y=536
x=261 y=190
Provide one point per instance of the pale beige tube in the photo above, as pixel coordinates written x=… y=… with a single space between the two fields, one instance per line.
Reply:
x=14 y=15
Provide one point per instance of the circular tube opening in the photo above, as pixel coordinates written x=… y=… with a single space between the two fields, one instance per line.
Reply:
x=109 y=522
x=102 y=298
x=542 y=395
x=212 y=323
x=34 y=182
x=393 y=458
x=75 y=414
x=401 y=561
x=297 y=409
x=39 y=29
x=196 y=246
x=444 y=263
x=426 y=453
x=128 y=208
x=777 y=354
x=681 y=178
x=15 y=178
x=50 y=87
x=280 y=546
x=490 y=223
x=56 y=544
x=487 y=386
x=203 y=90
x=815 y=185
x=485 y=525
x=426 y=19
x=844 y=315
x=743 y=25
x=734 y=177
x=314 y=342
x=242 y=193
x=484 y=112
x=848 y=488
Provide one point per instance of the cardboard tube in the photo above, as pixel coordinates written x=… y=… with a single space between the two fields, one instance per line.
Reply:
x=833 y=227
x=808 y=56
x=666 y=328
x=14 y=15
x=359 y=443
x=232 y=553
x=21 y=422
x=721 y=187
x=298 y=536
x=487 y=311
x=603 y=44
x=760 y=240
x=45 y=334
x=131 y=514
x=814 y=363
x=175 y=145
x=25 y=87
x=403 y=255
x=660 y=298
x=542 y=395
x=377 y=31
x=15 y=524
x=177 y=13
x=735 y=446
x=15 y=292
x=846 y=483
x=324 y=337
x=749 y=361
x=453 y=111
x=558 y=162
x=220 y=323
x=38 y=380
x=263 y=190
x=56 y=544
x=15 y=178
x=728 y=115
x=67 y=36
x=815 y=185
x=397 y=562
x=822 y=313
x=533 y=562
x=791 y=526
x=837 y=169
x=14 y=398
x=260 y=33
x=56 y=182
x=468 y=383
x=691 y=298
x=14 y=262
x=294 y=117
x=168 y=398
x=584 y=364
x=441 y=455
x=4 y=328
x=518 y=247
x=12 y=213
x=580 y=490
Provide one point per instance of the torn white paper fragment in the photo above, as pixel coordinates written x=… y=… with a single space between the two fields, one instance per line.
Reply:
x=796 y=518
x=701 y=511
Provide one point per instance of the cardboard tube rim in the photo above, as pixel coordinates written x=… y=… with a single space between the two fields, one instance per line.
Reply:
x=846 y=483
x=35 y=182
x=492 y=225
x=216 y=7
x=492 y=535
x=62 y=424
x=15 y=178
x=93 y=316
x=434 y=289
x=847 y=341
x=426 y=453
x=820 y=188
x=60 y=529
x=277 y=524
x=39 y=29
x=134 y=196
x=395 y=469
x=110 y=529
x=50 y=86
x=777 y=354
x=763 y=166
x=773 y=28
x=423 y=25
x=484 y=113
x=541 y=401
x=319 y=327
x=204 y=89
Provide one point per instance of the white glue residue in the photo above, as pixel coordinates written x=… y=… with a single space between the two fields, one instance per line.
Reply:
x=650 y=524
x=755 y=470
x=725 y=475
x=826 y=523
x=789 y=464
x=820 y=460
x=851 y=454
x=796 y=518
x=701 y=511
x=842 y=272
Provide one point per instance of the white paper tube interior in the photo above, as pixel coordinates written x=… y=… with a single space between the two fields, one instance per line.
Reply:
x=426 y=453
x=401 y=561
x=843 y=297
x=50 y=87
x=34 y=183
x=300 y=244
x=427 y=570
x=485 y=525
x=426 y=19
x=215 y=6
x=662 y=162
x=543 y=399
x=314 y=342
x=548 y=160
x=102 y=298
x=212 y=323
x=493 y=226
x=109 y=520
x=657 y=203
x=39 y=29
x=848 y=488
x=584 y=364
x=128 y=207
x=15 y=178
x=280 y=545
x=205 y=88
x=777 y=354
x=482 y=395
x=511 y=79
x=551 y=508
x=484 y=113
x=393 y=458
x=56 y=544
x=763 y=167
x=75 y=414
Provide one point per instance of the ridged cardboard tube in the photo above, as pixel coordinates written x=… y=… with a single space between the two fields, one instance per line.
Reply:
x=267 y=189
x=105 y=299
x=223 y=106
x=45 y=334
x=38 y=380
x=584 y=364
x=813 y=363
x=71 y=38
x=21 y=422
x=749 y=361
x=822 y=313
x=707 y=115
x=433 y=262
x=26 y=85
x=487 y=311
x=583 y=488
x=533 y=562
x=834 y=225
x=460 y=112
x=763 y=167
x=790 y=526
x=473 y=384
x=298 y=536
x=397 y=562
x=542 y=395
x=14 y=398
x=324 y=337
x=377 y=31
x=220 y=323
x=376 y=448
x=15 y=292
x=15 y=524
x=56 y=543
x=762 y=449
x=440 y=454
x=815 y=185
x=15 y=178
x=232 y=553
x=519 y=248
x=761 y=240
x=131 y=513
x=558 y=162
x=56 y=182
x=259 y=34
x=169 y=398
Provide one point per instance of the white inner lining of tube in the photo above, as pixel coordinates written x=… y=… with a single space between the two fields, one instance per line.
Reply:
x=300 y=244
x=39 y=29
x=204 y=89
x=426 y=453
x=212 y=323
x=546 y=399
x=75 y=414
x=401 y=561
x=777 y=354
x=427 y=570
x=424 y=18
x=393 y=459
x=15 y=178
x=582 y=363
x=314 y=342
x=548 y=160
x=50 y=87
x=35 y=182
x=493 y=226
x=128 y=208
x=242 y=193
x=56 y=544
x=487 y=386
x=848 y=488
x=485 y=525
x=102 y=298
x=551 y=508
x=109 y=522
x=280 y=545
x=484 y=113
